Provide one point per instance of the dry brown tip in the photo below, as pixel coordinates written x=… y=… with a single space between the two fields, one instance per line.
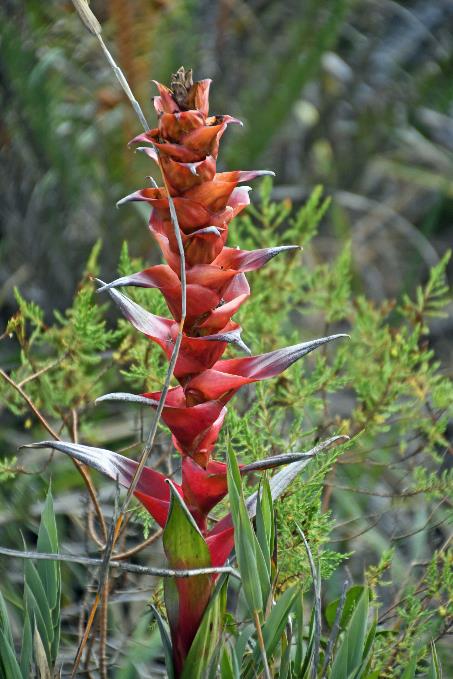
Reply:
x=87 y=16
x=181 y=86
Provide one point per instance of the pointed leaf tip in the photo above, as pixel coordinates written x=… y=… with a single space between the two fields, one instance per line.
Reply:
x=192 y=169
x=38 y=444
x=329 y=338
x=149 y=151
x=125 y=397
x=151 y=490
x=205 y=230
x=289 y=458
x=278 y=484
x=131 y=197
x=175 y=497
x=307 y=347
x=242 y=345
x=104 y=287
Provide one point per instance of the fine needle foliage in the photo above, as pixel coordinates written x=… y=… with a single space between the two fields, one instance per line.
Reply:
x=288 y=415
x=258 y=500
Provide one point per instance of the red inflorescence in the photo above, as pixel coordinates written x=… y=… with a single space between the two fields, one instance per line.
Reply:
x=185 y=145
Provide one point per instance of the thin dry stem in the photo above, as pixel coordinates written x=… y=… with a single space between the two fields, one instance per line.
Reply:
x=259 y=634
x=93 y=25
x=92 y=530
x=103 y=631
x=83 y=471
x=43 y=370
x=128 y=567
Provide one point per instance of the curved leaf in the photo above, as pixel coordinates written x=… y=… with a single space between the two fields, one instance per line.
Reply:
x=151 y=489
x=186 y=598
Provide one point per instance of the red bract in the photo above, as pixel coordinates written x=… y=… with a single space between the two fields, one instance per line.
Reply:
x=201 y=488
x=185 y=145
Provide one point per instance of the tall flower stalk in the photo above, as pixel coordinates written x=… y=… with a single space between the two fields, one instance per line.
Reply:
x=185 y=144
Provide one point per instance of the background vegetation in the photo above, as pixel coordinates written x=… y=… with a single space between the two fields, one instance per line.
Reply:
x=356 y=96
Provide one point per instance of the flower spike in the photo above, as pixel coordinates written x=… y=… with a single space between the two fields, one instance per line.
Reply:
x=185 y=145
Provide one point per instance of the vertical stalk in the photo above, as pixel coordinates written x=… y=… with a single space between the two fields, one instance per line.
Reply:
x=94 y=27
x=103 y=630
x=259 y=634
x=317 y=604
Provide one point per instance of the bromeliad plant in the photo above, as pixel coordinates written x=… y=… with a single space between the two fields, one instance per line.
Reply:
x=185 y=145
x=202 y=296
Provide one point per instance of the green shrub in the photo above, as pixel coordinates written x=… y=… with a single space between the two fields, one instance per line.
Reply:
x=376 y=508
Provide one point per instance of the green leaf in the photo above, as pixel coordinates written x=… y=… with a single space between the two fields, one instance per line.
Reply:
x=353 y=595
x=229 y=665
x=340 y=662
x=56 y=637
x=171 y=598
x=242 y=642
x=33 y=581
x=278 y=617
x=435 y=670
x=8 y=664
x=213 y=670
x=356 y=632
x=265 y=522
x=264 y=574
x=248 y=551
x=409 y=672
x=26 y=652
x=49 y=574
x=5 y=627
x=142 y=647
x=273 y=628
x=285 y=663
x=367 y=651
x=315 y=623
x=307 y=661
x=49 y=571
x=34 y=609
x=349 y=656
x=185 y=547
x=166 y=643
x=184 y=544
x=206 y=640
x=299 y=633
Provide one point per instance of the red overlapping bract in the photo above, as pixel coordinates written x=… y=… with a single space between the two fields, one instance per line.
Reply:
x=185 y=145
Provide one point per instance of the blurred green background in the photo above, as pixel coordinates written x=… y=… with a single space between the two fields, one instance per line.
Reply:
x=356 y=95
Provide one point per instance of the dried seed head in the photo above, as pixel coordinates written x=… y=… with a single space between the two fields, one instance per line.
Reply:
x=181 y=86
